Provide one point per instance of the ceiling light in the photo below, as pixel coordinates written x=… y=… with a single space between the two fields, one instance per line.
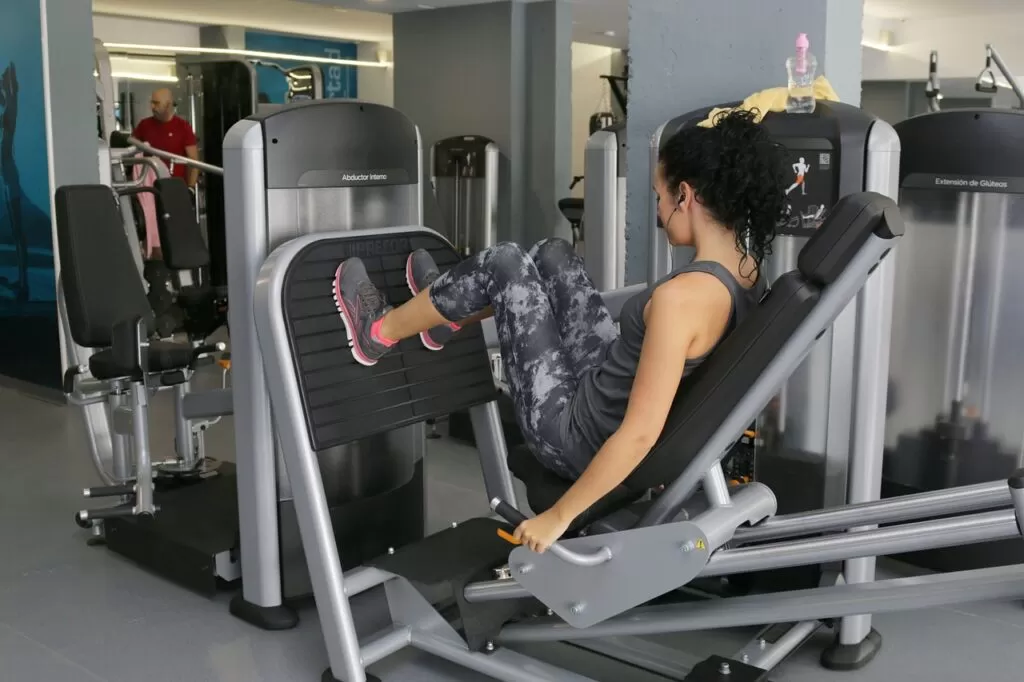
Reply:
x=874 y=45
x=883 y=41
x=610 y=34
x=129 y=75
x=243 y=53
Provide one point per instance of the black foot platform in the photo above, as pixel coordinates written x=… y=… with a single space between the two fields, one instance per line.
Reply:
x=264 y=617
x=197 y=522
x=847 y=657
x=328 y=677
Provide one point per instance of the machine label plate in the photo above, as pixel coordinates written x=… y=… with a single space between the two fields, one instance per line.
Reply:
x=964 y=183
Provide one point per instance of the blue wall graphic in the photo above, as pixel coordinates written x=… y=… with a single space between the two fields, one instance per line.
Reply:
x=29 y=346
x=339 y=81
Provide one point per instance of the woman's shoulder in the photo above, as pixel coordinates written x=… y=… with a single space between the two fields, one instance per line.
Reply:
x=696 y=285
x=690 y=296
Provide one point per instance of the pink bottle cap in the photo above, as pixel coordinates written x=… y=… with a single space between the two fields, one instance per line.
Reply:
x=802 y=45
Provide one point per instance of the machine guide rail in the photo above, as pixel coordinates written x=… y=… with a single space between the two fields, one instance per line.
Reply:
x=952 y=532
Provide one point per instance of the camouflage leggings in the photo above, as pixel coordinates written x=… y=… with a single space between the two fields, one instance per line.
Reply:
x=552 y=327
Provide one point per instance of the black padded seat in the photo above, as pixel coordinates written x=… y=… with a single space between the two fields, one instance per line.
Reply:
x=544 y=488
x=709 y=395
x=163 y=357
x=571 y=208
x=181 y=239
x=184 y=248
x=102 y=286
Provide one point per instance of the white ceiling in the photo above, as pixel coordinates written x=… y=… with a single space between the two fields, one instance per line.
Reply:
x=938 y=9
x=290 y=16
x=370 y=20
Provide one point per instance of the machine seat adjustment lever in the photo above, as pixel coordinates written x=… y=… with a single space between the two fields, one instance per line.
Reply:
x=109 y=491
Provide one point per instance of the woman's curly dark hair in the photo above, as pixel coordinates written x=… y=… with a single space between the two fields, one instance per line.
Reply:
x=737 y=173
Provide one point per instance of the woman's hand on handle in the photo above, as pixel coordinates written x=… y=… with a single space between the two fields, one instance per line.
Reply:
x=542 y=531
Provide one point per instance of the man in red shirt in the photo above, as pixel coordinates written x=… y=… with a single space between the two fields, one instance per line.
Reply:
x=170 y=133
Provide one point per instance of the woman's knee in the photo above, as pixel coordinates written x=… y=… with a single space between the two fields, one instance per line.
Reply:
x=551 y=255
x=508 y=258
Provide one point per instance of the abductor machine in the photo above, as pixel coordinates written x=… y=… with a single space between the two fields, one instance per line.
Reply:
x=327 y=166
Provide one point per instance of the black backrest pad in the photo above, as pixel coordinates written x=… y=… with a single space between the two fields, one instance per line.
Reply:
x=102 y=284
x=181 y=239
x=345 y=401
x=715 y=388
x=851 y=222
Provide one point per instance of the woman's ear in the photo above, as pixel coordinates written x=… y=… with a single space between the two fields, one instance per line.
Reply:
x=684 y=194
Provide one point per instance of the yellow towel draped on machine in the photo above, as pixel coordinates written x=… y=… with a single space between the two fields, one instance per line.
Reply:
x=773 y=99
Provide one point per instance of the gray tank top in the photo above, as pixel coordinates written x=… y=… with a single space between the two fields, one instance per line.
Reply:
x=600 y=402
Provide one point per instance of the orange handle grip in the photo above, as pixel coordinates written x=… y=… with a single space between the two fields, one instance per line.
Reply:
x=507 y=537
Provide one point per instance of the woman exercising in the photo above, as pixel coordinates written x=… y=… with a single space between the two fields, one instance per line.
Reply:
x=592 y=400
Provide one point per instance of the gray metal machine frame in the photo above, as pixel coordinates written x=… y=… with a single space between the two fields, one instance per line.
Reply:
x=473 y=238
x=115 y=412
x=252 y=235
x=595 y=561
x=604 y=209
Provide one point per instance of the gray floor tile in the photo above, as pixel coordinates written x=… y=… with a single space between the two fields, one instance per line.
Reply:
x=72 y=612
x=22 y=660
x=207 y=645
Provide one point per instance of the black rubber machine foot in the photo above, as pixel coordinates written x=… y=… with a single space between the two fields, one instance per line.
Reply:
x=329 y=677
x=847 y=657
x=264 y=617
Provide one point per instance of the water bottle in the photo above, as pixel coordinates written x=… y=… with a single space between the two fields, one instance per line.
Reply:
x=801 y=67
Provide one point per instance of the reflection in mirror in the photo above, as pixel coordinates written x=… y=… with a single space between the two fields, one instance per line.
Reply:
x=304 y=83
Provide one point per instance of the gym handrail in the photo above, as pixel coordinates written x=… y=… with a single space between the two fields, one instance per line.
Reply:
x=158 y=168
x=122 y=140
x=515 y=517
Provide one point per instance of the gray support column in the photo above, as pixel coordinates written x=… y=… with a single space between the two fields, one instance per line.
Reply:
x=548 y=43
x=55 y=144
x=461 y=71
x=502 y=70
x=687 y=54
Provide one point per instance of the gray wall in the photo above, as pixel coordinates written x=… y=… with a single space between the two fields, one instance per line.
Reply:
x=548 y=118
x=686 y=54
x=222 y=36
x=454 y=75
x=894 y=101
x=888 y=100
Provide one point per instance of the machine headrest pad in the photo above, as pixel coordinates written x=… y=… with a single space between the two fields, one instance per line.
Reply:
x=853 y=220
